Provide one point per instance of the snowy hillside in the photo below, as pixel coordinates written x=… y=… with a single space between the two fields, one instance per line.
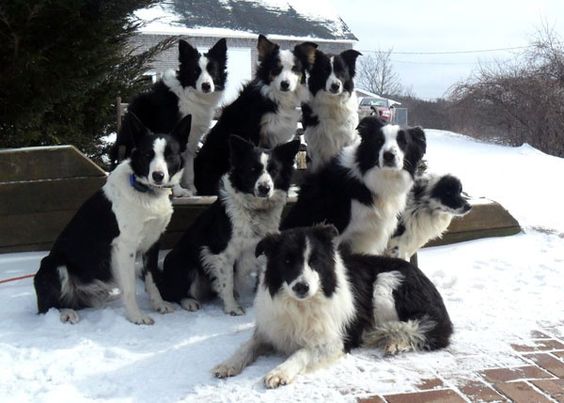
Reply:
x=496 y=291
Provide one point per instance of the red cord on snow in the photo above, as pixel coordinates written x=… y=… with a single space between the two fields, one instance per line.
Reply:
x=7 y=280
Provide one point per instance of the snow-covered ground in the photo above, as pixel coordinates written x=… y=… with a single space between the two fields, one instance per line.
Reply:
x=496 y=290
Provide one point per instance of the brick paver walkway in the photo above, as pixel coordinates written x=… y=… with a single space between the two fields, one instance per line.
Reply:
x=539 y=379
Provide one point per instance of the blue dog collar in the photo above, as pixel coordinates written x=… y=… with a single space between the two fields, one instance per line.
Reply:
x=138 y=186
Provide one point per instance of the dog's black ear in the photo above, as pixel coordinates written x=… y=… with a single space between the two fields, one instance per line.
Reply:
x=306 y=53
x=265 y=246
x=287 y=152
x=239 y=148
x=265 y=47
x=181 y=131
x=418 y=136
x=416 y=149
x=134 y=128
x=368 y=126
x=327 y=231
x=186 y=51
x=219 y=50
x=349 y=56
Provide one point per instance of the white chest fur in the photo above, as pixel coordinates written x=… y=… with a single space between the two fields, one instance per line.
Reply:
x=338 y=119
x=192 y=102
x=141 y=217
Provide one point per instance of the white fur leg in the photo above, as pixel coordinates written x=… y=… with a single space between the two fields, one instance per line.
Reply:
x=301 y=361
x=69 y=316
x=190 y=304
x=222 y=269
x=396 y=337
x=245 y=355
x=188 y=175
x=123 y=263
x=157 y=301
x=179 y=191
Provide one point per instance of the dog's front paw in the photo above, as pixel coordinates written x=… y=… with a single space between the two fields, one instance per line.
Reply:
x=178 y=191
x=69 y=316
x=234 y=310
x=140 y=319
x=164 y=307
x=190 y=304
x=225 y=370
x=275 y=378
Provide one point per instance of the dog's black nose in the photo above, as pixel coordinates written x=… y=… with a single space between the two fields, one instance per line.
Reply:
x=301 y=289
x=389 y=157
x=335 y=87
x=263 y=190
x=206 y=87
x=285 y=85
x=158 y=176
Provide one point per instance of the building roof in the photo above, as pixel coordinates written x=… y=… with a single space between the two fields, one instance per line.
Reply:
x=279 y=19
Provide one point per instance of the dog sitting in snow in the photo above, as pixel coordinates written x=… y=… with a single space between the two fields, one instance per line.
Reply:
x=315 y=304
x=217 y=251
x=431 y=205
x=97 y=249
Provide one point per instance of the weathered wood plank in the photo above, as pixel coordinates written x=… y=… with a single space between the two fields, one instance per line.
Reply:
x=35 y=228
x=47 y=195
x=36 y=163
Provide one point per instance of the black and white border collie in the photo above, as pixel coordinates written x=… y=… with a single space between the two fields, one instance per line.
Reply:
x=97 y=249
x=313 y=305
x=432 y=203
x=364 y=189
x=265 y=112
x=217 y=252
x=196 y=88
x=331 y=115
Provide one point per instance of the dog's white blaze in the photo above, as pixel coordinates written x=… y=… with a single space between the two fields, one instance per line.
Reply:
x=264 y=179
x=308 y=276
x=333 y=79
x=383 y=298
x=287 y=59
x=391 y=145
x=158 y=163
x=204 y=76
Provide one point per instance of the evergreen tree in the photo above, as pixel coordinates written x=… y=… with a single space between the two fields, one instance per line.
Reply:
x=62 y=65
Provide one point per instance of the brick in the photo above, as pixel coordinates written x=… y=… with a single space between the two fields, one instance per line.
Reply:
x=428 y=384
x=552 y=387
x=548 y=362
x=549 y=344
x=479 y=391
x=371 y=399
x=520 y=392
x=512 y=374
x=432 y=396
x=535 y=334
x=558 y=353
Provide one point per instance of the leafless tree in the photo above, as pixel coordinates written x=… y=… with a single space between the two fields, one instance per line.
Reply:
x=375 y=73
x=519 y=101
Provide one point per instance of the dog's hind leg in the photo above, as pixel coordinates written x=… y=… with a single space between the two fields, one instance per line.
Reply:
x=150 y=276
x=245 y=355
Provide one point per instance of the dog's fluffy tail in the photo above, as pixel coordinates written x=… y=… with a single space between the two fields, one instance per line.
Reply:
x=397 y=336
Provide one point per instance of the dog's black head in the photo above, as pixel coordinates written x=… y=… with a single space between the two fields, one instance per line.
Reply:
x=206 y=73
x=284 y=70
x=156 y=159
x=333 y=74
x=300 y=261
x=446 y=195
x=389 y=146
x=261 y=172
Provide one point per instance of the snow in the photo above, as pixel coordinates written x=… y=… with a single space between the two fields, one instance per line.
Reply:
x=496 y=290
x=161 y=19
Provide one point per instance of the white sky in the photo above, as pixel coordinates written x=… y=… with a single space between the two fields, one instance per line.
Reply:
x=446 y=25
